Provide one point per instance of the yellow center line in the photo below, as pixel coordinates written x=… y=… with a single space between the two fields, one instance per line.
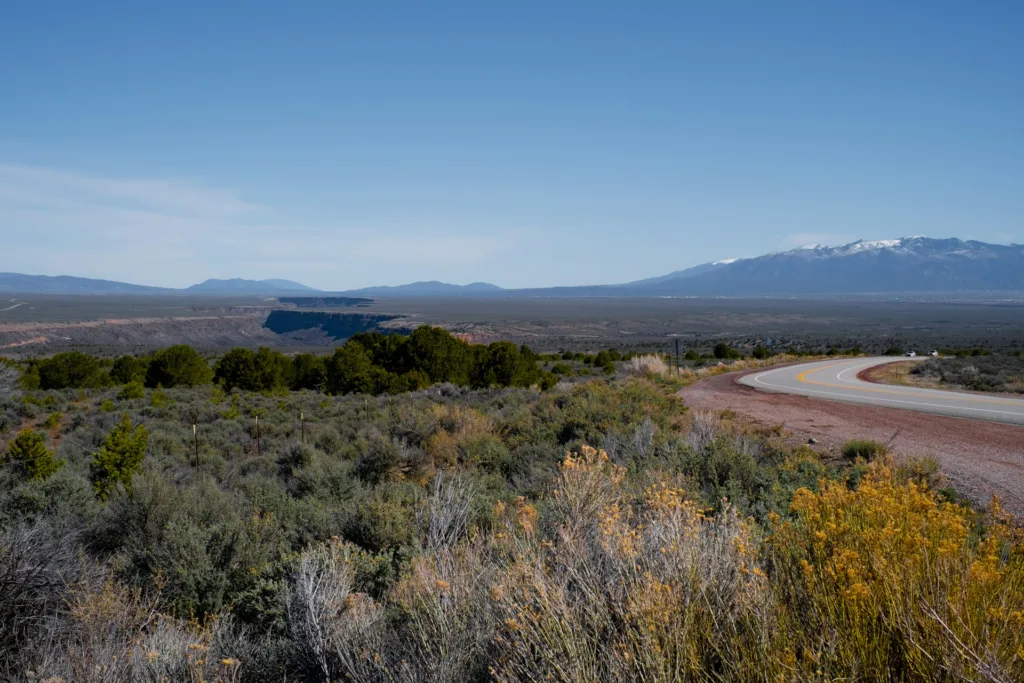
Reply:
x=802 y=377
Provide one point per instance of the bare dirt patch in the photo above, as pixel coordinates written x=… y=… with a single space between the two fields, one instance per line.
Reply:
x=895 y=373
x=982 y=459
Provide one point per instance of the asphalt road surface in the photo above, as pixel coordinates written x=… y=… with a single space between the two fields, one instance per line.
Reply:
x=837 y=381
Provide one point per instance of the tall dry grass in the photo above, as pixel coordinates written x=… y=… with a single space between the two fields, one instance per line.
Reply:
x=650 y=589
x=111 y=634
x=649 y=364
x=655 y=365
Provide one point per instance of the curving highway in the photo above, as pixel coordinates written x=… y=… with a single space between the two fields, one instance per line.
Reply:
x=837 y=381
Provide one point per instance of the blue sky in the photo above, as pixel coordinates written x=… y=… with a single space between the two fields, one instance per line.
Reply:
x=522 y=143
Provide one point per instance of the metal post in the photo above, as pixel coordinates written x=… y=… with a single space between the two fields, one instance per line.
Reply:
x=677 y=355
x=195 y=439
x=302 y=421
x=257 y=436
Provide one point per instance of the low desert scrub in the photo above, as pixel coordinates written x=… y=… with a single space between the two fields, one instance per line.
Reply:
x=66 y=620
x=879 y=583
x=114 y=634
x=9 y=375
x=461 y=535
x=978 y=373
x=436 y=624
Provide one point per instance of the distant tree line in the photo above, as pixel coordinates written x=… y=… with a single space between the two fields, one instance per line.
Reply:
x=369 y=362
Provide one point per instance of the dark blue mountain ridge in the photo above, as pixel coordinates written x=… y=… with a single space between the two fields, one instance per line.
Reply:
x=430 y=288
x=908 y=264
x=16 y=283
x=240 y=286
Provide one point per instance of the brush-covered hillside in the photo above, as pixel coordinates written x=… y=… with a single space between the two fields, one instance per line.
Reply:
x=594 y=531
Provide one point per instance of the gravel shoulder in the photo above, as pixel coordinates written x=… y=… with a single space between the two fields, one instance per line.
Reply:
x=981 y=459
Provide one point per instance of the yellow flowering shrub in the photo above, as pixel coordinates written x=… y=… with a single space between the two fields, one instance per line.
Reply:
x=892 y=579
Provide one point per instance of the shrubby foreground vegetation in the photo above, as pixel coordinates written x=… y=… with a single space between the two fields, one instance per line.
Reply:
x=979 y=372
x=596 y=532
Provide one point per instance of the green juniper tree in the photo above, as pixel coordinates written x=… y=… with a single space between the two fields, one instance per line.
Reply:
x=237 y=369
x=119 y=459
x=70 y=370
x=128 y=369
x=175 y=366
x=131 y=391
x=724 y=351
x=30 y=457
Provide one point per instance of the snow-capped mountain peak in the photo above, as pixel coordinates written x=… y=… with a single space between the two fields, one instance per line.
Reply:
x=905 y=264
x=861 y=246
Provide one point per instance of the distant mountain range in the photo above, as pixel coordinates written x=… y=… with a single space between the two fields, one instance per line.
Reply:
x=909 y=264
x=905 y=265
x=239 y=286
x=431 y=288
x=15 y=283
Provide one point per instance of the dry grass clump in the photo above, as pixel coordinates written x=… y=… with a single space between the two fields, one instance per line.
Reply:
x=111 y=633
x=632 y=590
x=706 y=427
x=688 y=375
x=333 y=623
x=650 y=364
x=456 y=426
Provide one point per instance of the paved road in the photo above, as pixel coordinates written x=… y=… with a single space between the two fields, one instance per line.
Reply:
x=837 y=381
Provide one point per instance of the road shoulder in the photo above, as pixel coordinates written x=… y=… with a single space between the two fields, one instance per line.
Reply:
x=981 y=459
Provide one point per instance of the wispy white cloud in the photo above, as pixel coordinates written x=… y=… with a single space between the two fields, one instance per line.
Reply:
x=50 y=187
x=174 y=232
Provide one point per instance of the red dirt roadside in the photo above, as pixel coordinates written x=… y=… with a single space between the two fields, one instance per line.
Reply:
x=981 y=459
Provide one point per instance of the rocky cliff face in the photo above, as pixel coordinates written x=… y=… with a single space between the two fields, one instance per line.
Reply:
x=246 y=327
x=315 y=324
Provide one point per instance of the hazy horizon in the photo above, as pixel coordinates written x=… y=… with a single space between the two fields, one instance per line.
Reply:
x=435 y=280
